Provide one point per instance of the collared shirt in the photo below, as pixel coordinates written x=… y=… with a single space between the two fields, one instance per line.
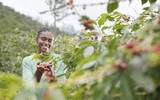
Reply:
x=30 y=67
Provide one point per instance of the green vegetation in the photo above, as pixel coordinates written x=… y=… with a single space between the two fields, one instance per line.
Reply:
x=122 y=65
x=16 y=39
x=9 y=20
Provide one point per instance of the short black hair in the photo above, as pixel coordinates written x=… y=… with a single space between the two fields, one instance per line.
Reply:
x=43 y=30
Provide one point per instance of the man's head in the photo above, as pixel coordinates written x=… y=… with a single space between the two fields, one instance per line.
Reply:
x=44 y=40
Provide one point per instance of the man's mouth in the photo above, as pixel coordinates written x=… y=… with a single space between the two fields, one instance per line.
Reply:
x=45 y=48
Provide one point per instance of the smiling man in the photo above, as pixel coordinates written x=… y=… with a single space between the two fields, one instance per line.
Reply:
x=33 y=69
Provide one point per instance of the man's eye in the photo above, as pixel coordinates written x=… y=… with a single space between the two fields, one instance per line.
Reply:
x=50 y=40
x=43 y=38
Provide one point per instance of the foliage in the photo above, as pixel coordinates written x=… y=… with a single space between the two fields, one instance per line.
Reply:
x=14 y=47
x=9 y=19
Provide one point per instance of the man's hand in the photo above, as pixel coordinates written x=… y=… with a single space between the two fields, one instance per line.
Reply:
x=44 y=67
x=41 y=68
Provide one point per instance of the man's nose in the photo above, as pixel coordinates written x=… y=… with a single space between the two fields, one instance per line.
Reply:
x=46 y=42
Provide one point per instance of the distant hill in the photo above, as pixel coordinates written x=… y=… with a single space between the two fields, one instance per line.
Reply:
x=10 y=19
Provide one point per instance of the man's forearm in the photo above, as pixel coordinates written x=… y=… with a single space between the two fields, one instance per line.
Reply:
x=38 y=75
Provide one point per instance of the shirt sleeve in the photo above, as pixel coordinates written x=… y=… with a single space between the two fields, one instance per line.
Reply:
x=60 y=70
x=26 y=70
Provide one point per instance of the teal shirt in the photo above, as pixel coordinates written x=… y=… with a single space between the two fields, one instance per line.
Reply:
x=30 y=67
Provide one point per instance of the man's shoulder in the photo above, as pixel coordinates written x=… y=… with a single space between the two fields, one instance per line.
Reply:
x=28 y=58
x=54 y=54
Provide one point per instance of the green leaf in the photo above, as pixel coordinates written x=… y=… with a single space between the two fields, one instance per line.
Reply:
x=146 y=8
x=9 y=85
x=105 y=27
x=103 y=88
x=77 y=73
x=87 y=59
x=102 y=19
x=144 y=1
x=110 y=18
x=152 y=1
x=36 y=56
x=45 y=59
x=142 y=80
x=112 y=6
x=87 y=43
x=127 y=88
x=118 y=26
x=61 y=75
x=136 y=27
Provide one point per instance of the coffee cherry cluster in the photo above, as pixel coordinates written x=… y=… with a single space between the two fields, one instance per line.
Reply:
x=120 y=65
x=125 y=17
x=47 y=70
x=70 y=2
x=132 y=46
x=94 y=36
x=50 y=74
x=87 y=22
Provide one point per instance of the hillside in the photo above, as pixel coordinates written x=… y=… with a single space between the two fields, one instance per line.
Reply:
x=10 y=19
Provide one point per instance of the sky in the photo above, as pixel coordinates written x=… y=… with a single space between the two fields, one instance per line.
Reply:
x=34 y=7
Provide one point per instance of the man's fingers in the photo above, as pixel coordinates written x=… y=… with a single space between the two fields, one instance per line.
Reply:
x=38 y=63
x=46 y=69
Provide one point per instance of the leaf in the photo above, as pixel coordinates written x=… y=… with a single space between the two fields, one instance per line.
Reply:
x=118 y=26
x=87 y=43
x=102 y=19
x=105 y=27
x=136 y=27
x=142 y=80
x=77 y=73
x=143 y=1
x=61 y=75
x=110 y=18
x=36 y=56
x=9 y=85
x=88 y=51
x=44 y=12
x=89 y=64
x=152 y=1
x=127 y=88
x=103 y=88
x=112 y=6
x=146 y=8
x=45 y=59
x=88 y=59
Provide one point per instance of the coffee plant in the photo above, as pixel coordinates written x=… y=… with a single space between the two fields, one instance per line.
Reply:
x=116 y=61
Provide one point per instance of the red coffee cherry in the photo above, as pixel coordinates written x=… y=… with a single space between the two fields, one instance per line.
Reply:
x=90 y=21
x=131 y=44
x=49 y=73
x=70 y=2
x=120 y=65
x=136 y=52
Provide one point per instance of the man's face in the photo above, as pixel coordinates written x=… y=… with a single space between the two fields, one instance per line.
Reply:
x=45 y=42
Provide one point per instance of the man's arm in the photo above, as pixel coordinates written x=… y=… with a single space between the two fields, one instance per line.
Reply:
x=26 y=70
x=38 y=74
